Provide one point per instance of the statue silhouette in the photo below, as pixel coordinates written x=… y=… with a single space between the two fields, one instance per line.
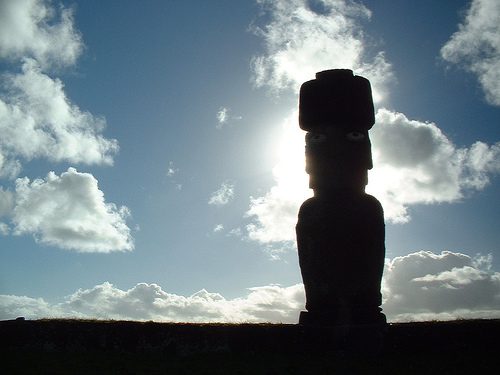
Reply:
x=340 y=231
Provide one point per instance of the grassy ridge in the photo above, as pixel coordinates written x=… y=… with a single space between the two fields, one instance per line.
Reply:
x=117 y=347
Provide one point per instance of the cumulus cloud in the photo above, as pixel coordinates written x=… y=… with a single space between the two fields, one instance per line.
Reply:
x=274 y=216
x=14 y=306
x=9 y=167
x=223 y=195
x=150 y=302
x=36 y=29
x=34 y=106
x=476 y=46
x=38 y=36
x=416 y=163
x=69 y=211
x=450 y=285
x=419 y=286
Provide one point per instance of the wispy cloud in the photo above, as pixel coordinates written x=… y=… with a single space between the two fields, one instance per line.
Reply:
x=224 y=117
x=223 y=195
x=476 y=46
x=171 y=169
x=218 y=228
x=172 y=174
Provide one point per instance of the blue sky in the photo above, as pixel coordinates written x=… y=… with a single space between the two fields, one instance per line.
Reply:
x=151 y=164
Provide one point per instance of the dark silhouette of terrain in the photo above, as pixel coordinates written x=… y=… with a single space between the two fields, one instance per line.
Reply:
x=126 y=347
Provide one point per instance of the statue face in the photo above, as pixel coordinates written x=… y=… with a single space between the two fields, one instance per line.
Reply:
x=355 y=136
x=347 y=146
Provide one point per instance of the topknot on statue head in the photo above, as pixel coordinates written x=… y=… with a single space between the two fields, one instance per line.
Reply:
x=336 y=98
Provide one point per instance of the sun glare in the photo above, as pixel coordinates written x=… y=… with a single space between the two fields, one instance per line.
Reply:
x=290 y=170
x=292 y=182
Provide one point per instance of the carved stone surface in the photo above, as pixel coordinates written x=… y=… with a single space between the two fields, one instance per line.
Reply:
x=336 y=98
x=340 y=231
x=341 y=248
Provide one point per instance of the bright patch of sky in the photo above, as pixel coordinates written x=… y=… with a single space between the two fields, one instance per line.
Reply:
x=181 y=119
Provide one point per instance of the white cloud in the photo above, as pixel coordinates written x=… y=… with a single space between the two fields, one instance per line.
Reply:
x=301 y=41
x=40 y=36
x=34 y=106
x=171 y=170
x=414 y=162
x=274 y=217
x=172 y=173
x=418 y=286
x=476 y=46
x=9 y=168
x=224 y=115
x=6 y=205
x=218 y=228
x=36 y=29
x=150 y=302
x=223 y=195
x=425 y=285
x=14 y=306
x=69 y=211
x=235 y=232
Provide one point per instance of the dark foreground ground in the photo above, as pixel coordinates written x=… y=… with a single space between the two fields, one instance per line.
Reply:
x=115 y=347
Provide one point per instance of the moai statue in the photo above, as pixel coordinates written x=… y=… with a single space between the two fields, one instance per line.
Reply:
x=340 y=231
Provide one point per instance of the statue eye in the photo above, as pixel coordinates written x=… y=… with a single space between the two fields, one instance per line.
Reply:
x=315 y=137
x=355 y=136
